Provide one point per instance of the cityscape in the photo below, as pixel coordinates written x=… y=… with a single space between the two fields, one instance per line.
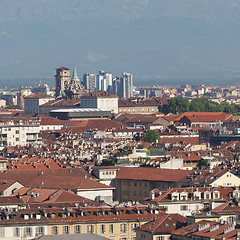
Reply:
x=119 y=120
x=97 y=156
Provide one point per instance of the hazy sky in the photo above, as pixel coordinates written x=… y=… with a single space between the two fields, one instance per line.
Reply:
x=153 y=39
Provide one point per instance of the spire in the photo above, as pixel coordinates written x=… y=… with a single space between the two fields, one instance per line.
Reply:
x=74 y=76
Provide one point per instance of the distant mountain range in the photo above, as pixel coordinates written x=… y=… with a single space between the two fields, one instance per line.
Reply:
x=156 y=40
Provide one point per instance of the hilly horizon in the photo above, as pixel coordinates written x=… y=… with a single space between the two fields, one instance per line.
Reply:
x=156 y=40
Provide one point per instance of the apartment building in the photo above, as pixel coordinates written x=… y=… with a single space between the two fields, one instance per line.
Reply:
x=19 y=133
x=116 y=223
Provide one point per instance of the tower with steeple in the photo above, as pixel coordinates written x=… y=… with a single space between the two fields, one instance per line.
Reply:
x=75 y=89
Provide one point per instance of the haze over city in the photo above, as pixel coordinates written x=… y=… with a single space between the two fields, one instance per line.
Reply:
x=157 y=41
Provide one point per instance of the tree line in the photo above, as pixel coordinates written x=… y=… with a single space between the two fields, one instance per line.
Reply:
x=180 y=105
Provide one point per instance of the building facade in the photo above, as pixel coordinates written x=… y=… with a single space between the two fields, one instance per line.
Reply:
x=89 y=82
x=19 y=134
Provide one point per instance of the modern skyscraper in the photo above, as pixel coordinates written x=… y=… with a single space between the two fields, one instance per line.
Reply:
x=126 y=86
x=89 y=82
x=104 y=81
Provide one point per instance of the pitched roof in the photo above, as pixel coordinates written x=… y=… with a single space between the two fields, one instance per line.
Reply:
x=76 y=178
x=205 y=116
x=62 y=68
x=152 y=174
x=98 y=124
x=38 y=95
x=164 y=224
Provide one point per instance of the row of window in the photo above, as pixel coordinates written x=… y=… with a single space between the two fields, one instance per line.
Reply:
x=40 y=231
x=140 y=184
x=27 y=232
x=108 y=173
x=135 y=193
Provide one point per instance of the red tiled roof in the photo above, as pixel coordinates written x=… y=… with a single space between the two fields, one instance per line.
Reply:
x=152 y=174
x=61 y=178
x=38 y=95
x=205 y=116
x=99 y=124
x=62 y=68
x=164 y=224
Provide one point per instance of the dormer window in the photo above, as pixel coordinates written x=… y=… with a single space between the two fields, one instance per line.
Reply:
x=183 y=196
x=216 y=194
x=207 y=195
x=175 y=196
x=236 y=193
x=197 y=195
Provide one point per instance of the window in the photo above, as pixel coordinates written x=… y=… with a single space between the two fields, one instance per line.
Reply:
x=40 y=231
x=183 y=207
x=54 y=230
x=102 y=228
x=133 y=226
x=123 y=228
x=160 y=238
x=17 y=132
x=135 y=184
x=111 y=228
x=28 y=231
x=2 y=232
x=90 y=228
x=66 y=230
x=231 y=220
x=77 y=229
x=16 y=232
x=146 y=184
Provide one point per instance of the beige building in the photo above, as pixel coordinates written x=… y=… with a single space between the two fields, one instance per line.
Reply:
x=33 y=102
x=113 y=223
x=226 y=180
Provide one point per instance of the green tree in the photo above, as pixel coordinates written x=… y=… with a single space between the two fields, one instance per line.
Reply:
x=204 y=105
x=178 y=105
x=107 y=162
x=140 y=146
x=151 y=136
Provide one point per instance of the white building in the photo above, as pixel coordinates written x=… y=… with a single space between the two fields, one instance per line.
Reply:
x=104 y=81
x=101 y=100
x=19 y=134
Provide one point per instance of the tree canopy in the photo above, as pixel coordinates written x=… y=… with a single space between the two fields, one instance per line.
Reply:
x=151 y=136
x=180 y=105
